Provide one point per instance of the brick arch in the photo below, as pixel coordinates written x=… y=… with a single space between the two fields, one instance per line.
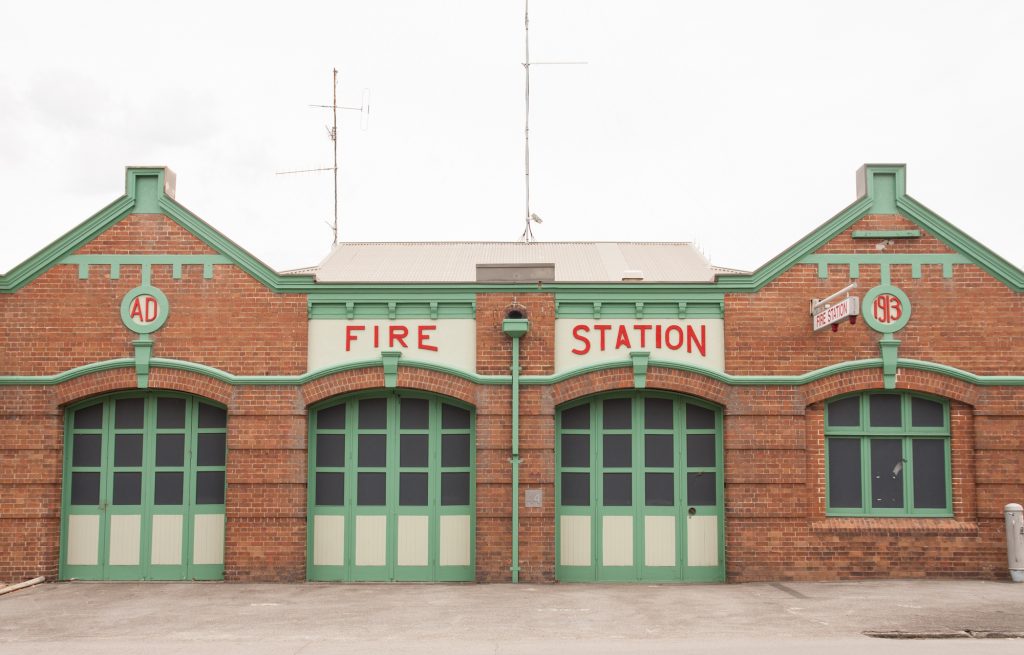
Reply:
x=906 y=380
x=124 y=379
x=364 y=379
x=658 y=379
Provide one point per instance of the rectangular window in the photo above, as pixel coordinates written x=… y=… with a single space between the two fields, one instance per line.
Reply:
x=894 y=462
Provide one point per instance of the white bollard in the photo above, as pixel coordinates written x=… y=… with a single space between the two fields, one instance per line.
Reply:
x=1014 y=514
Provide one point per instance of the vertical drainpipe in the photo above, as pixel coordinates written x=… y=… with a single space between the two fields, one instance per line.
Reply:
x=515 y=326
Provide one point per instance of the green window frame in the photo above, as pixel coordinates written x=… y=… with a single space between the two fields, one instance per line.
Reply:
x=888 y=454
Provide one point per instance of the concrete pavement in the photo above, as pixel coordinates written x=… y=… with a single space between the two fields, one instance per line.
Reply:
x=197 y=618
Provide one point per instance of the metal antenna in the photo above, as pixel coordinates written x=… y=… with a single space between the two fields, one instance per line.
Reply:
x=527 y=236
x=332 y=134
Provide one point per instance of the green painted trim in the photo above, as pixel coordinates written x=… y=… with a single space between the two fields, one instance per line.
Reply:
x=886 y=234
x=640 y=360
x=368 y=309
x=115 y=262
x=143 y=353
x=854 y=262
x=389 y=360
x=162 y=304
x=890 y=359
x=606 y=304
x=905 y=309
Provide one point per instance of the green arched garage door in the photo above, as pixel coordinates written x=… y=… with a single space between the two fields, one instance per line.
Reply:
x=639 y=490
x=391 y=489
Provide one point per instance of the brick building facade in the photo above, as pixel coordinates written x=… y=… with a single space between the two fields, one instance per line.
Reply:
x=171 y=408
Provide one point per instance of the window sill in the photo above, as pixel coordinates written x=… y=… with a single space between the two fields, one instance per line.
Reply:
x=893 y=526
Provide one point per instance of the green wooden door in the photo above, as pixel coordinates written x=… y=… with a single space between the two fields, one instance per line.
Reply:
x=143 y=493
x=639 y=490
x=391 y=491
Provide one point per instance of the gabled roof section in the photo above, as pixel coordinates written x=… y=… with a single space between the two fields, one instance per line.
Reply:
x=881 y=189
x=148 y=190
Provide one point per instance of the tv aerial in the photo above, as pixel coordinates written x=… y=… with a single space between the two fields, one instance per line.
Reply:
x=332 y=134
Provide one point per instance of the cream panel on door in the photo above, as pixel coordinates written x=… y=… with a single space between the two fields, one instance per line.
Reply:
x=702 y=541
x=455 y=541
x=329 y=541
x=125 y=538
x=83 y=540
x=371 y=540
x=208 y=539
x=166 y=541
x=617 y=540
x=574 y=537
x=413 y=540
x=659 y=541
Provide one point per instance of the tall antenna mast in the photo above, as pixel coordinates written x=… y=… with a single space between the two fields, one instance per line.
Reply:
x=527 y=236
x=332 y=134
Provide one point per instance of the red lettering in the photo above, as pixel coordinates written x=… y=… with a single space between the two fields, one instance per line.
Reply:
x=376 y=336
x=349 y=337
x=657 y=336
x=691 y=339
x=642 y=329
x=423 y=336
x=602 y=329
x=151 y=309
x=895 y=308
x=397 y=333
x=136 y=311
x=622 y=341
x=579 y=333
x=887 y=308
x=668 y=337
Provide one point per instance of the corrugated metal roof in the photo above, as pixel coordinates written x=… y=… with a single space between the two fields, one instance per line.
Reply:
x=456 y=261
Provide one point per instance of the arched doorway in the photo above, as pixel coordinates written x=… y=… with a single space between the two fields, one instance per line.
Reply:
x=639 y=489
x=143 y=491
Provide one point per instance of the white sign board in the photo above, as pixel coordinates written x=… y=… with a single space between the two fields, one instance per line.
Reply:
x=448 y=342
x=586 y=342
x=845 y=308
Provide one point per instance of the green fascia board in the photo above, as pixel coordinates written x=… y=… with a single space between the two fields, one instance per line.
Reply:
x=726 y=378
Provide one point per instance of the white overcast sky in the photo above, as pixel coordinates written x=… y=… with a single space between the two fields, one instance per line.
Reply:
x=737 y=125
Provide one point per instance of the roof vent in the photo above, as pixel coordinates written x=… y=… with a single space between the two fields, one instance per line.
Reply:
x=513 y=273
x=632 y=275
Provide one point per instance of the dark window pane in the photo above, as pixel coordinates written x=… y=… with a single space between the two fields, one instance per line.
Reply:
x=86 y=451
x=699 y=418
x=373 y=450
x=211 y=450
x=577 y=418
x=658 y=450
x=576 y=450
x=128 y=450
x=618 y=450
x=455 y=488
x=700 y=489
x=926 y=414
x=128 y=412
x=454 y=418
x=170 y=412
x=413 y=450
x=330 y=488
x=85 y=488
x=168 y=488
x=576 y=489
x=371 y=489
x=373 y=413
x=658 y=414
x=700 y=450
x=89 y=418
x=844 y=481
x=330 y=450
x=658 y=489
x=210 y=488
x=844 y=412
x=332 y=418
x=618 y=414
x=884 y=411
x=127 y=489
x=413 y=414
x=170 y=450
x=455 y=450
x=929 y=473
x=212 y=417
x=618 y=489
x=886 y=473
x=412 y=489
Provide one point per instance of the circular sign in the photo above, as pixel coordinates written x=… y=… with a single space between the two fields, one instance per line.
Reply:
x=144 y=309
x=886 y=308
